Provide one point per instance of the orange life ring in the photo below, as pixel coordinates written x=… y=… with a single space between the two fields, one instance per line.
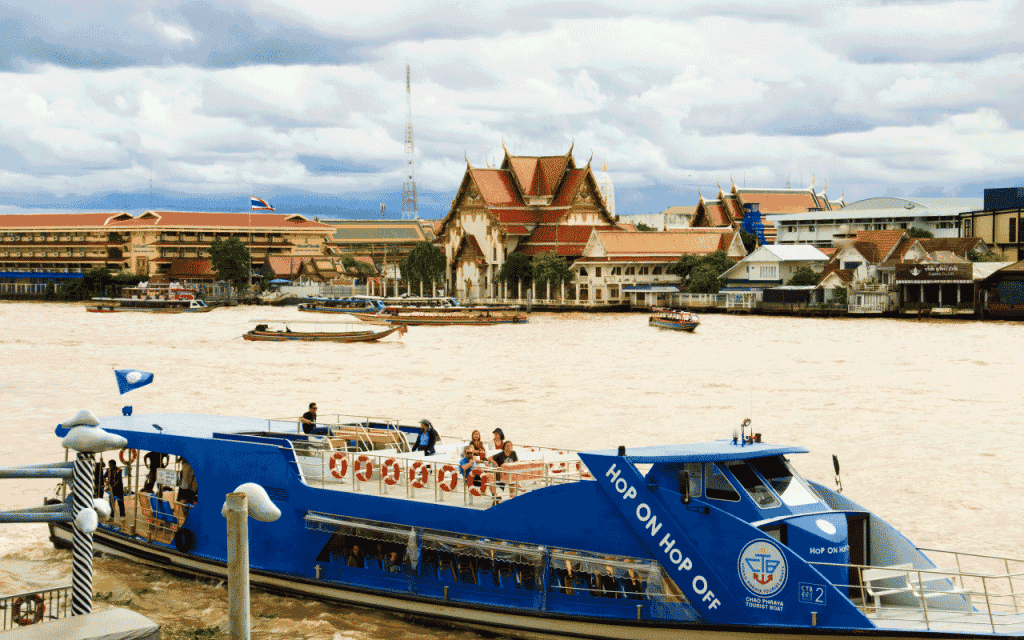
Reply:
x=339 y=465
x=364 y=468
x=391 y=472
x=34 y=615
x=485 y=481
x=445 y=484
x=556 y=467
x=419 y=474
x=132 y=455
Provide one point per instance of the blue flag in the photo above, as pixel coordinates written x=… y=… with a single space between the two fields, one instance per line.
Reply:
x=128 y=379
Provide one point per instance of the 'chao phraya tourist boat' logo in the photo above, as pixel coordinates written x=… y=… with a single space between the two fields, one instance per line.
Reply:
x=762 y=567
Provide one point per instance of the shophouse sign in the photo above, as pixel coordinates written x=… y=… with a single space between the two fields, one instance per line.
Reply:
x=951 y=273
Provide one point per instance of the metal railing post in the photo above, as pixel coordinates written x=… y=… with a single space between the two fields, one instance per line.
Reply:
x=237 y=514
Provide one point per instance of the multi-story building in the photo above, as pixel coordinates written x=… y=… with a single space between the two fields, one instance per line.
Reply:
x=825 y=228
x=1000 y=223
x=40 y=248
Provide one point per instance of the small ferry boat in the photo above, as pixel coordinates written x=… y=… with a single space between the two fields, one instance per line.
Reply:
x=365 y=304
x=313 y=331
x=152 y=298
x=673 y=319
x=721 y=539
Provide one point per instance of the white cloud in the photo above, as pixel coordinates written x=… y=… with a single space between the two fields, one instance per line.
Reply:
x=867 y=94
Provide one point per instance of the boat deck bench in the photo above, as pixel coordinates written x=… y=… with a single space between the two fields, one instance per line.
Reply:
x=886 y=581
x=935 y=583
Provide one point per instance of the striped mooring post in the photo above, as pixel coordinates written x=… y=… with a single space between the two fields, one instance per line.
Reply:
x=81 y=542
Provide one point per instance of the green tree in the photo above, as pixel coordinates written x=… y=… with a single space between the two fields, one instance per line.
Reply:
x=704 y=279
x=749 y=241
x=685 y=265
x=424 y=264
x=916 y=232
x=803 y=277
x=644 y=227
x=549 y=267
x=231 y=261
x=100 y=281
x=988 y=256
x=715 y=263
x=839 y=296
x=516 y=268
x=361 y=268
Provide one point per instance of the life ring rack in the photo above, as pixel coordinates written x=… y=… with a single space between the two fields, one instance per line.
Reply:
x=132 y=455
x=31 y=617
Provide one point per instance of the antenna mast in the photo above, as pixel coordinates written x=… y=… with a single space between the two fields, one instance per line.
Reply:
x=409 y=208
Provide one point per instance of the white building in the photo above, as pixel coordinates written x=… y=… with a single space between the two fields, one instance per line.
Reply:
x=771 y=265
x=826 y=228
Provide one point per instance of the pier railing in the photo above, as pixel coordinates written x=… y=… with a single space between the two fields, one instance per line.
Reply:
x=963 y=591
x=24 y=609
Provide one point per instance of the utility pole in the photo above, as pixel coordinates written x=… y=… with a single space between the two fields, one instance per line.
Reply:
x=410 y=210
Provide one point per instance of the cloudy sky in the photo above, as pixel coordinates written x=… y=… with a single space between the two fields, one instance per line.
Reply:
x=195 y=105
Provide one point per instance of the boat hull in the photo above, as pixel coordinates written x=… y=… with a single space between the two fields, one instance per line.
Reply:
x=440 y=320
x=675 y=326
x=301 y=336
x=485 y=618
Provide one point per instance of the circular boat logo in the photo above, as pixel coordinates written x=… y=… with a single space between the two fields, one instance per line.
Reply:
x=762 y=567
x=133 y=377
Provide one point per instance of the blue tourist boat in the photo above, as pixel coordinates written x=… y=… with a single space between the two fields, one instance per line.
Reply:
x=364 y=304
x=675 y=319
x=719 y=539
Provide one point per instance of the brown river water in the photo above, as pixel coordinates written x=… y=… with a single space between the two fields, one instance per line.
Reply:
x=925 y=416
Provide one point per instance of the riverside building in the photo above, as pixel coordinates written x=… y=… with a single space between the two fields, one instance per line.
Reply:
x=38 y=249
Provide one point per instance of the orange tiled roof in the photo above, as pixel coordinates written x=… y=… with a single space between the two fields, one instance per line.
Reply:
x=573 y=178
x=285 y=265
x=219 y=219
x=663 y=242
x=782 y=200
x=496 y=187
x=884 y=240
x=184 y=268
x=959 y=246
x=54 y=220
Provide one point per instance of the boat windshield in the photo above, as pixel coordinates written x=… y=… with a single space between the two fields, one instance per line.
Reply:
x=785 y=480
x=761 y=494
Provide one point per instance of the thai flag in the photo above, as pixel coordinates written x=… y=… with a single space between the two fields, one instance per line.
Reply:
x=128 y=379
x=259 y=204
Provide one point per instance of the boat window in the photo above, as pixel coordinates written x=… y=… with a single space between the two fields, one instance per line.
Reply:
x=786 y=482
x=717 y=486
x=694 y=471
x=761 y=494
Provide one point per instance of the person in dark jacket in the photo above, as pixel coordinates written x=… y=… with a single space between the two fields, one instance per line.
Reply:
x=426 y=439
x=115 y=481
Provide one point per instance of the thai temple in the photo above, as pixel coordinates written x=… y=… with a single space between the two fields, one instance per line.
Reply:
x=530 y=205
x=729 y=208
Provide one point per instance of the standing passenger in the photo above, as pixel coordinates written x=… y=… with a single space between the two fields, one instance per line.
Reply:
x=116 y=483
x=426 y=439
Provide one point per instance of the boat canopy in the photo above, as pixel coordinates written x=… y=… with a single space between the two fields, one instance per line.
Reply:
x=716 y=451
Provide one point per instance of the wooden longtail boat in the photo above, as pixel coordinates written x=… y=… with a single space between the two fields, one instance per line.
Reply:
x=280 y=331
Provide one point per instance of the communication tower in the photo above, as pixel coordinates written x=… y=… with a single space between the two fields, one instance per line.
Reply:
x=410 y=211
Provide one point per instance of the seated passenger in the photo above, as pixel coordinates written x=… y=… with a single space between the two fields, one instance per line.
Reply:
x=355 y=559
x=499 y=459
x=468 y=463
x=479 y=449
x=426 y=439
x=391 y=563
x=309 y=424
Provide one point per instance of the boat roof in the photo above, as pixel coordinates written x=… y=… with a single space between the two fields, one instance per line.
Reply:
x=719 y=450
x=192 y=425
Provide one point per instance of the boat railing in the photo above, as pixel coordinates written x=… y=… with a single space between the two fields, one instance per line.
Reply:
x=24 y=609
x=413 y=476
x=963 y=590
